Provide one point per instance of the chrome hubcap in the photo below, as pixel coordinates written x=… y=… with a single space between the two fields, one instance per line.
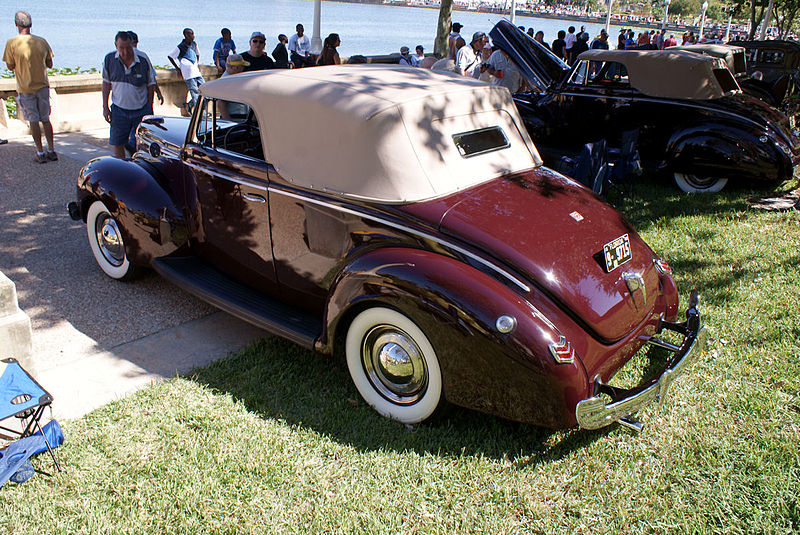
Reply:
x=110 y=240
x=394 y=365
x=700 y=182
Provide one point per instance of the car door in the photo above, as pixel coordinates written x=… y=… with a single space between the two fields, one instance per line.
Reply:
x=226 y=157
x=312 y=237
x=604 y=101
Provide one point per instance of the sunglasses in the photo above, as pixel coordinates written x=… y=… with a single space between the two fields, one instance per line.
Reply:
x=260 y=41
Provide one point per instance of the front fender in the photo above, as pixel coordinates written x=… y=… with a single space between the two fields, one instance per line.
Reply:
x=724 y=152
x=509 y=375
x=143 y=202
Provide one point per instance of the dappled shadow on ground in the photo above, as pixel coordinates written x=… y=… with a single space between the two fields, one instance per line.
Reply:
x=654 y=204
x=47 y=255
x=280 y=381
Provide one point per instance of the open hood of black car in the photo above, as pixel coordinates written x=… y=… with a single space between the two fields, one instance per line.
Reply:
x=536 y=62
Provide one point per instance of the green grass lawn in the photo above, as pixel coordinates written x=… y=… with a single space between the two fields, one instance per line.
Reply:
x=275 y=439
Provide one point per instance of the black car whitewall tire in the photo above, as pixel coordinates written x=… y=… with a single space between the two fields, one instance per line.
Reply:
x=107 y=244
x=696 y=184
x=393 y=365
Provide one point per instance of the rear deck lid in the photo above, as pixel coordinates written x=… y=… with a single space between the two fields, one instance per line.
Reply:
x=553 y=231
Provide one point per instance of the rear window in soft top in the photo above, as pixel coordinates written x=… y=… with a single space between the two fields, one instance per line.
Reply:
x=480 y=141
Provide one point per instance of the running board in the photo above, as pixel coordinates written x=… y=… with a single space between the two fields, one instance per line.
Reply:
x=199 y=278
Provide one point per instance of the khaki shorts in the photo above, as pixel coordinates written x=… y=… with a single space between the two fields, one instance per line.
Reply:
x=35 y=106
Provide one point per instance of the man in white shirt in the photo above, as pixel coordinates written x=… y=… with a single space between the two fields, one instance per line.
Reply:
x=189 y=57
x=569 y=39
x=417 y=58
x=300 y=48
x=468 y=60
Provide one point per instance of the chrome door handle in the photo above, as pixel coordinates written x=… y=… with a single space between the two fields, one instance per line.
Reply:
x=253 y=197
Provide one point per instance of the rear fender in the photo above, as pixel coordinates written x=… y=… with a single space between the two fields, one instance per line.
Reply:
x=457 y=306
x=151 y=219
x=723 y=153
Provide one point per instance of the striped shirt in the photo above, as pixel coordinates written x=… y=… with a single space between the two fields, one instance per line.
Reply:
x=128 y=84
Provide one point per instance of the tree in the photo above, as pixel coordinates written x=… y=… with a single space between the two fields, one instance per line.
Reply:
x=784 y=13
x=440 y=48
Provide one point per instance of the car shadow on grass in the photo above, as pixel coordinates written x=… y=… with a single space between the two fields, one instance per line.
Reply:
x=280 y=381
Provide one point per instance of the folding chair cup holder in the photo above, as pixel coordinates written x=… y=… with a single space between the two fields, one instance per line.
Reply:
x=21 y=397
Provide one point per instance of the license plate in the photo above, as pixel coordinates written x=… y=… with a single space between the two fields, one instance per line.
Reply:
x=617 y=252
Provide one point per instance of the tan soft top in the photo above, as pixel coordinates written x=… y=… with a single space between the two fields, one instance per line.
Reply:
x=726 y=52
x=668 y=73
x=378 y=132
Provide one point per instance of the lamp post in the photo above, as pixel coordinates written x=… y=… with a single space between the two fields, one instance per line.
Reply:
x=608 y=15
x=316 y=41
x=513 y=11
x=666 y=14
x=703 y=20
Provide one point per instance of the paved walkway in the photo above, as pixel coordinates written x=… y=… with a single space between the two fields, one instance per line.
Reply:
x=94 y=339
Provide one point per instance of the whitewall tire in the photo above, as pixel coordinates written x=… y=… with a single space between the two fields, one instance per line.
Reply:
x=393 y=365
x=107 y=244
x=697 y=184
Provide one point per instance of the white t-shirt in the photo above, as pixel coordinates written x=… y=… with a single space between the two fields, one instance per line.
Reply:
x=299 y=45
x=467 y=61
x=189 y=70
x=570 y=40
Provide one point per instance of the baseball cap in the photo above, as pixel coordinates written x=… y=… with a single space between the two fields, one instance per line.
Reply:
x=477 y=35
x=457 y=26
x=237 y=59
x=257 y=34
x=404 y=50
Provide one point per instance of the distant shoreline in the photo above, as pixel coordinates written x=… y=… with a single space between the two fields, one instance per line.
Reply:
x=629 y=22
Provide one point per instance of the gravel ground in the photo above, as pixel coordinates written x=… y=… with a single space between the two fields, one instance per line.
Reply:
x=58 y=282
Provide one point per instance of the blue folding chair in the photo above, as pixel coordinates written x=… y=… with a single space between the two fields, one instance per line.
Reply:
x=23 y=398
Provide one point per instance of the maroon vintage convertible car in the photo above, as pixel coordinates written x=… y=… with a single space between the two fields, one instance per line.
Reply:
x=406 y=215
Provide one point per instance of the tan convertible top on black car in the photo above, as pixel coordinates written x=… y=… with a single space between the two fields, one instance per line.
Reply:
x=671 y=74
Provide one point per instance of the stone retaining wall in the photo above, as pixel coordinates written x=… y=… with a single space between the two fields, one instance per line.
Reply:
x=15 y=327
x=77 y=102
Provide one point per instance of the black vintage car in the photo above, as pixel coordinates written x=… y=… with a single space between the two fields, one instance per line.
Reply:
x=686 y=111
x=774 y=66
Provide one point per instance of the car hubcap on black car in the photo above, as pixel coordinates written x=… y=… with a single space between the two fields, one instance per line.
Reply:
x=700 y=182
x=394 y=365
x=110 y=240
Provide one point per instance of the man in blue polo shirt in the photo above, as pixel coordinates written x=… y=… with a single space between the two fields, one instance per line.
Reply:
x=128 y=78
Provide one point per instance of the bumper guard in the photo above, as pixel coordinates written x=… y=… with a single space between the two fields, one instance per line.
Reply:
x=596 y=412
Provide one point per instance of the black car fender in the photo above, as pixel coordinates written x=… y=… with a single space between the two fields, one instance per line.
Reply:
x=510 y=373
x=721 y=151
x=150 y=218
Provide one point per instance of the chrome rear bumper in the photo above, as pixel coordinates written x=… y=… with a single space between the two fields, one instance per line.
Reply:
x=596 y=412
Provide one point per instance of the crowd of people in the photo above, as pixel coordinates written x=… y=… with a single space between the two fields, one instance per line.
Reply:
x=129 y=78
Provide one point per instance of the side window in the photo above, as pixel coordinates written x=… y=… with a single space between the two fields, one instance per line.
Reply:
x=229 y=126
x=771 y=57
x=579 y=76
x=609 y=74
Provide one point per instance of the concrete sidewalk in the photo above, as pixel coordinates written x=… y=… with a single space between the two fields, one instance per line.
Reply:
x=94 y=339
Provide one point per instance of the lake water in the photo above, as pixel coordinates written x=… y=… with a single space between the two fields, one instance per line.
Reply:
x=82 y=32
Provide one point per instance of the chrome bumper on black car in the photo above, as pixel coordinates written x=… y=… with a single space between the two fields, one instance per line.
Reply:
x=598 y=411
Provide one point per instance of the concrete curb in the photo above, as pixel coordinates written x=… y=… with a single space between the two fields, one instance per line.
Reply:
x=15 y=327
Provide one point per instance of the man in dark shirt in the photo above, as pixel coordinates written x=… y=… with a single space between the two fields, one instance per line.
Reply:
x=280 y=54
x=601 y=41
x=256 y=57
x=559 y=44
